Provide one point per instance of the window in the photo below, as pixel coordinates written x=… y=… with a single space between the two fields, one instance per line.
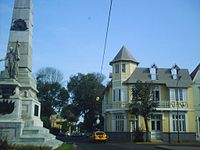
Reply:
x=156 y=93
x=178 y=123
x=119 y=123
x=178 y=94
x=156 y=122
x=124 y=94
x=153 y=72
x=123 y=67
x=174 y=71
x=114 y=99
x=116 y=94
x=199 y=94
x=198 y=125
x=116 y=68
x=119 y=96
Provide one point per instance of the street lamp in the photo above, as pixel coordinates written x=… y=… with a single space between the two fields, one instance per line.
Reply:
x=177 y=103
x=97 y=115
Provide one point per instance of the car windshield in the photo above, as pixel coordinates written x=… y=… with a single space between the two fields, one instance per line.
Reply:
x=99 y=133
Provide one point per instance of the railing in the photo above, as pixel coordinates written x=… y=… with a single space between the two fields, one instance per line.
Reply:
x=117 y=105
x=172 y=104
x=161 y=104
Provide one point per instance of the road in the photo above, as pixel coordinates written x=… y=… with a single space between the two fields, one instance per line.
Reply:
x=84 y=144
x=113 y=146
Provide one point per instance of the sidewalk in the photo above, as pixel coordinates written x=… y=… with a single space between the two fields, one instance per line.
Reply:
x=181 y=147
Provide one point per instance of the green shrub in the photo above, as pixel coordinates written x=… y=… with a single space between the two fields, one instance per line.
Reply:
x=66 y=147
x=4 y=145
x=31 y=147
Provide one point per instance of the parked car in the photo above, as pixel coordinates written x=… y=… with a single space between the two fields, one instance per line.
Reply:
x=99 y=136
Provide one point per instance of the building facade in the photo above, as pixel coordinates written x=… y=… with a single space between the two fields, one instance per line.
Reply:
x=195 y=75
x=56 y=121
x=172 y=90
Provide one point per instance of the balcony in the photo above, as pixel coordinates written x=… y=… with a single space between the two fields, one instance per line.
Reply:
x=161 y=105
x=117 y=105
x=173 y=104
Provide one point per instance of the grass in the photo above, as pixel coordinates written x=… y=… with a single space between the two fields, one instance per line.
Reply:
x=66 y=147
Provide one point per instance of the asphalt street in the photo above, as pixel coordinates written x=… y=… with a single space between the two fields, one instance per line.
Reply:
x=114 y=146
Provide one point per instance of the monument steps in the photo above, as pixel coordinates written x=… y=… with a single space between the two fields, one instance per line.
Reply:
x=34 y=130
x=36 y=134
x=39 y=141
x=51 y=143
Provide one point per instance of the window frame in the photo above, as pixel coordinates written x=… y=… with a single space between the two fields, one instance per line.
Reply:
x=117 y=68
x=124 y=68
x=182 y=122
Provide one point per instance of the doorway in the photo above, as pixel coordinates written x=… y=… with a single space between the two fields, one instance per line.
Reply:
x=156 y=127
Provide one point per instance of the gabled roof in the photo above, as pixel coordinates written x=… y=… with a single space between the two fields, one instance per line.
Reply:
x=164 y=76
x=124 y=55
x=193 y=74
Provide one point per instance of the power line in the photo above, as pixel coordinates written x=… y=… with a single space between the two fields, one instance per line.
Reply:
x=106 y=36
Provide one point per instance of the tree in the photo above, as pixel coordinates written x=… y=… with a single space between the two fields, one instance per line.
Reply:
x=70 y=113
x=142 y=102
x=84 y=90
x=49 y=75
x=52 y=95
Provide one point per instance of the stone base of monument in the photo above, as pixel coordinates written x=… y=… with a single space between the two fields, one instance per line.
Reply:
x=20 y=121
x=38 y=136
x=15 y=132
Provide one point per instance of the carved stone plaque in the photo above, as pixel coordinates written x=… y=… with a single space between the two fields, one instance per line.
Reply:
x=19 y=25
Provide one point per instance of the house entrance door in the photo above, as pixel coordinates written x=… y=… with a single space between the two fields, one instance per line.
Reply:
x=156 y=127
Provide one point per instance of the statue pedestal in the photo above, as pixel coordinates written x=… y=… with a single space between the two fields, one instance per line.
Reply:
x=20 y=116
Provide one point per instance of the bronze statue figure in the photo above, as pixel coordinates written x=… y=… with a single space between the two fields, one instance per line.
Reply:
x=13 y=57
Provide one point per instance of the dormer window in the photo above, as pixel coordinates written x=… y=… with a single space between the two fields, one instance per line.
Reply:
x=174 y=71
x=153 y=71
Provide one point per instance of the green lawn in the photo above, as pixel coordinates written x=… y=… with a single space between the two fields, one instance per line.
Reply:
x=66 y=147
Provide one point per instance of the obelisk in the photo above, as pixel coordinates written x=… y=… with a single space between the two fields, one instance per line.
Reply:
x=21 y=123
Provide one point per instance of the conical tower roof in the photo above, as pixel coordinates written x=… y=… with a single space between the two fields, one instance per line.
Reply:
x=124 y=55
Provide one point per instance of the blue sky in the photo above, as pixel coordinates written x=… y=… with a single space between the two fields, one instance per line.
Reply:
x=69 y=34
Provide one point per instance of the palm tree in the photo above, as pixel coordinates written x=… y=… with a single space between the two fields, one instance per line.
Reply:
x=142 y=102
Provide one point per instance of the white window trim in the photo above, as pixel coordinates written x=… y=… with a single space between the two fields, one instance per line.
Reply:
x=159 y=89
x=171 y=121
x=123 y=94
x=162 y=118
x=172 y=94
x=124 y=64
x=114 y=122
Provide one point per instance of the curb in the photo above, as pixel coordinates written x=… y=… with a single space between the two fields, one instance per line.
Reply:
x=163 y=147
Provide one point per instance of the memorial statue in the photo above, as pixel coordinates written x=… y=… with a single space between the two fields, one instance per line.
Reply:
x=13 y=58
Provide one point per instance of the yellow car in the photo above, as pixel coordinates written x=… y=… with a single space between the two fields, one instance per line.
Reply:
x=99 y=136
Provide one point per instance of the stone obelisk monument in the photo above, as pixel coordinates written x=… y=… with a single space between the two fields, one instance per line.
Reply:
x=19 y=106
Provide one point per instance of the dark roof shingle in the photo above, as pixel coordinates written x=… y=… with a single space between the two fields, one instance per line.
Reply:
x=163 y=77
x=124 y=55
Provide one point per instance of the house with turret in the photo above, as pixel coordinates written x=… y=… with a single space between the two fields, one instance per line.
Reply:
x=195 y=75
x=173 y=119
